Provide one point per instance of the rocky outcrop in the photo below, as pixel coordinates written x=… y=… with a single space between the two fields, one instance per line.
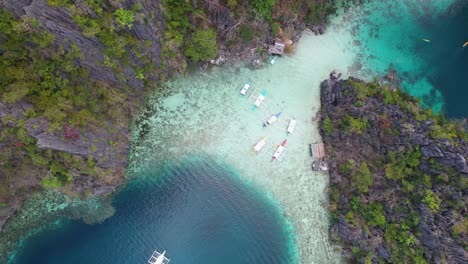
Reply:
x=59 y=22
x=92 y=141
x=417 y=169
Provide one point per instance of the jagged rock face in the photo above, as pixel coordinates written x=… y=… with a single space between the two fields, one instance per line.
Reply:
x=390 y=127
x=59 y=22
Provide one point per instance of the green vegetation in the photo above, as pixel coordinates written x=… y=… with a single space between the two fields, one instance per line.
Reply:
x=356 y=125
x=363 y=178
x=202 y=45
x=125 y=17
x=275 y=28
x=38 y=71
x=383 y=186
x=432 y=200
x=328 y=126
x=263 y=8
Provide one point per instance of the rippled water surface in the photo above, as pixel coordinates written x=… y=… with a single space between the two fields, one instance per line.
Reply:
x=198 y=210
x=235 y=206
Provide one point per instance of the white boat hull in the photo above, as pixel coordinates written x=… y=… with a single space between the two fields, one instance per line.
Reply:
x=291 y=126
x=259 y=100
x=260 y=145
x=244 y=89
x=272 y=119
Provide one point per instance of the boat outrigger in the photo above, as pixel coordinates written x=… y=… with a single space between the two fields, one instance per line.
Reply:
x=272 y=119
x=158 y=258
x=260 y=144
x=291 y=126
x=259 y=100
x=245 y=88
x=279 y=151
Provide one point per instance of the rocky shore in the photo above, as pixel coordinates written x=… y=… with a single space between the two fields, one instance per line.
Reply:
x=95 y=155
x=398 y=175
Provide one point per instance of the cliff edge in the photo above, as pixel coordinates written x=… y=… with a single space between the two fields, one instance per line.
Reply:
x=398 y=175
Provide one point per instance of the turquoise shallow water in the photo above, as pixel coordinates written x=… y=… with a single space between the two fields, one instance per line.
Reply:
x=197 y=210
x=201 y=208
x=388 y=34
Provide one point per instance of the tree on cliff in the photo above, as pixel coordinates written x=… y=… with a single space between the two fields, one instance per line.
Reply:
x=202 y=45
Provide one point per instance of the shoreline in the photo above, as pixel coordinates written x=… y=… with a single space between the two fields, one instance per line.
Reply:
x=101 y=190
x=179 y=120
x=231 y=64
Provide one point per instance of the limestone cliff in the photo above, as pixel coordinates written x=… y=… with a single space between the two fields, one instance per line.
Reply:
x=398 y=175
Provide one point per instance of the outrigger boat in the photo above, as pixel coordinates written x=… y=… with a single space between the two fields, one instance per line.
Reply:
x=466 y=44
x=245 y=88
x=279 y=151
x=260 y=144
x=272 y=119
x=291 y=126
x=158 y=258
x=259 y=100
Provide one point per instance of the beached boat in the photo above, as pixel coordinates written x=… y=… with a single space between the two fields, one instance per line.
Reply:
x=260 y=144
x=245 y=88
x=158 y=258
x=291 y=126
x=279 y=151
x=259 y=99
x=272 y=119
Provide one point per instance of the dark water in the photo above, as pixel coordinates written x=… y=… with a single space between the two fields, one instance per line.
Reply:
x=448 y=60
x=198 y=211
x=390 y=34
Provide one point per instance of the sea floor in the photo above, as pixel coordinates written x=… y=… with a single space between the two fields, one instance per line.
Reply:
x=204 y=114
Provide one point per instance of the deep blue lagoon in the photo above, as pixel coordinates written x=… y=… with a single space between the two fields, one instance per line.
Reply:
x=199 y=211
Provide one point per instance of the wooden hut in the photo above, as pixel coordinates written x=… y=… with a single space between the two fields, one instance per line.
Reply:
x=318 y=150
x=277 y=48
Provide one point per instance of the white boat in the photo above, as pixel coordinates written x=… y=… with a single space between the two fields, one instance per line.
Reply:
x=292 y=126
x=260 y=99
x=260 y=144
x=245 y=88
x=279 y=151
x=158 y=258
x=273 y=118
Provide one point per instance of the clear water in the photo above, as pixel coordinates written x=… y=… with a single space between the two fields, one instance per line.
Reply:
x=198 y=210
x=389 y=34
x=204 y=115
x=275 y=208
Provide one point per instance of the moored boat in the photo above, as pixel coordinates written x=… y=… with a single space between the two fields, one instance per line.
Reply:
x=259 y=99
x=279 y=151
x=260 y=144
x=158 y=258
x=291 y=126
x=273 y=118
x=245 y=88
